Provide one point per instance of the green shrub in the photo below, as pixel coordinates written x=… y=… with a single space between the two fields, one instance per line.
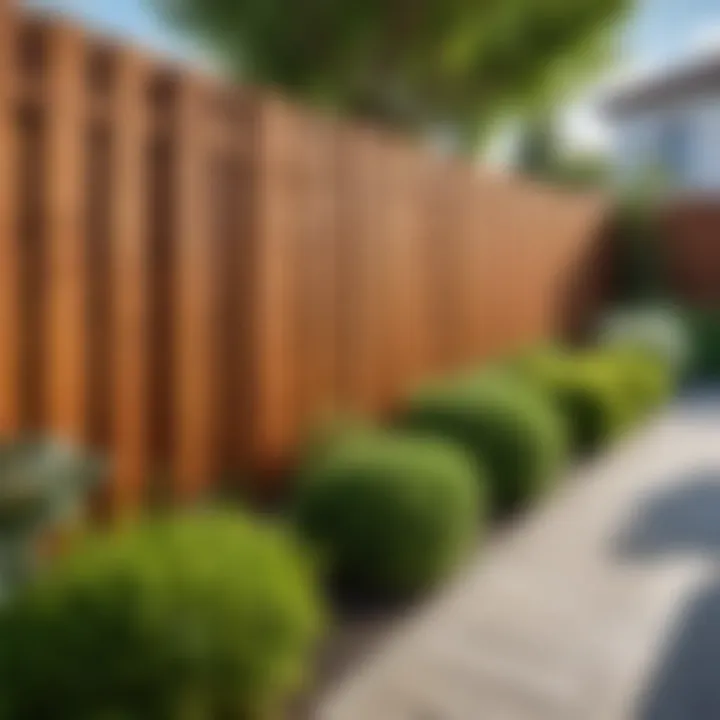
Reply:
x=659 y=330
x=209 y=616
x=646 y=377
x=705 y=333
x=43 y=487
x=587 y=392
x=392 y=513
x=40 y=481
x=507 y=425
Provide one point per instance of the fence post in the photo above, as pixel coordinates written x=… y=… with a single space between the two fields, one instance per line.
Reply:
x=9 y=249
x=63 y=232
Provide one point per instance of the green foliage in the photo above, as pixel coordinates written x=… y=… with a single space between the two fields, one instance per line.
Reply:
x=646 y=377
x=637 y=243
x=588 y=393
x=660 y=330
x=42 y=484
x=208 y=616
x=541 y=155
x=391 y=513
x=452 y=65
x=39 y=480
x=508 y=426
x=704 y=328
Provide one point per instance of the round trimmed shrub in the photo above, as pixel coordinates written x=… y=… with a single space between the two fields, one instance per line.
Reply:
x=210 y=616
x=588 y=393
x=647 y=378
x=508 y=426
x=391 y=513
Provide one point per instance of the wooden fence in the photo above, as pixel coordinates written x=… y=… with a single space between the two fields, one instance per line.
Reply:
x=192 y=274
x=690 y=233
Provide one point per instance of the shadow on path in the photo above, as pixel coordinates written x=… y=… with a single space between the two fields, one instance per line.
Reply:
x=683 y=520
x=686 y=685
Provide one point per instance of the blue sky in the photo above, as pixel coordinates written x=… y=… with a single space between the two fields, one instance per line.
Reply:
x=659 y=32
x=662 y=30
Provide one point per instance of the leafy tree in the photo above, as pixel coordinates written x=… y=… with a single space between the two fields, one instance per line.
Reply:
x=449 y=65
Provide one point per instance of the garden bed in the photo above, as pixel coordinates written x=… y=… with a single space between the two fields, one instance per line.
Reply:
x=225 y=613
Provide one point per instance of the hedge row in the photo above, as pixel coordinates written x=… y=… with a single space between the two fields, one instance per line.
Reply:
x=389 y=509
x=216 y=615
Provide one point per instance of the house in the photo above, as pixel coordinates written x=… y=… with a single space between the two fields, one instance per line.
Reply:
x=669 y=123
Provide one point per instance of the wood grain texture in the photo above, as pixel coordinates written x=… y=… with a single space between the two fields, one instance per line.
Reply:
x=193 y=280
x=10 y=329
x=273 y=318
x=129 y=285
x=63 y=233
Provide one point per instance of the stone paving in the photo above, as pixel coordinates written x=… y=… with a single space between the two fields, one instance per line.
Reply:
x=604 y=604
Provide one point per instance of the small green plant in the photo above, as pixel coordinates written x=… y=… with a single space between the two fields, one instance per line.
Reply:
x=391 y=513
x=509 y=427
x=207 y=616
x=43 y=484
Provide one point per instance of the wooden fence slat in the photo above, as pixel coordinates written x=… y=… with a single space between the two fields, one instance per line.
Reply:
x=9 y=248
x=129 y=277
x=193 y=328
x=316 y=276
x=63 y=233
x=271 y=316
x=356 y=297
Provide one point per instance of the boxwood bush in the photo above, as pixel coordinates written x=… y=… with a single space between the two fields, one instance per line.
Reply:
x=508 y=426
x=391 y=513
x=586 y=390
x=648 y=378
x=210 y=616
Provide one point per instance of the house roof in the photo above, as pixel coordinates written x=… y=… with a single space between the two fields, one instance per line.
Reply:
x=698 y=76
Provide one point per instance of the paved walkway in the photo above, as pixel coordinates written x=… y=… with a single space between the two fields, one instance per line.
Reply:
x=603 y=605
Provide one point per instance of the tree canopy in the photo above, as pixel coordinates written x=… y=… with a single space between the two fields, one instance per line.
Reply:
x=451 y=65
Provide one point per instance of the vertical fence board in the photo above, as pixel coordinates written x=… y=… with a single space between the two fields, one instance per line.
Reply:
x=273 y=333
x=129 y=277
x=9 y=241
x=63 y=233
x=356 y=292
x=316 y=256
x=192 y=311
x=230 y=215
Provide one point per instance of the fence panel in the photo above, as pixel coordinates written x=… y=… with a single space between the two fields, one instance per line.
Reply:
x=193 y=275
